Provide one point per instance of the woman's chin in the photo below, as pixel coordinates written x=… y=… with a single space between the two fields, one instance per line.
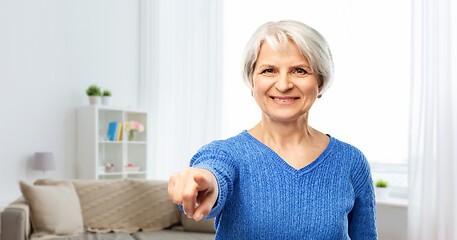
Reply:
x=286 y=117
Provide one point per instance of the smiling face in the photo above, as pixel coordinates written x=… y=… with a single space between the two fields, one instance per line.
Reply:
x=283 y=85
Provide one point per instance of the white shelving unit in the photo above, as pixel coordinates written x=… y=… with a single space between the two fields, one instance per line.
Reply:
x=93 y=148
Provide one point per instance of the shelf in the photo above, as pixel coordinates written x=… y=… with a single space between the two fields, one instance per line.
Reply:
x=106 y=141
x=117 y=142
x=115 y=108
x=136 y=142
x=120 y=173
x=135 y=173
x=394 y=202
x=94 y=149
x=111 y=173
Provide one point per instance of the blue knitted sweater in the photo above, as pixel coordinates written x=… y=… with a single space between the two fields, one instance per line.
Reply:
x=263 y=197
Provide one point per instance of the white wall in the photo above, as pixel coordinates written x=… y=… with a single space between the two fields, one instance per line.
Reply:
x=392 y=221
x=50 y=52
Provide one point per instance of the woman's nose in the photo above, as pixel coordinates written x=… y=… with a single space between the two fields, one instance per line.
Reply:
x=284 y=83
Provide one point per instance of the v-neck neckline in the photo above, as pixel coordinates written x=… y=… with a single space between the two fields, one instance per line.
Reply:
x=279 y=160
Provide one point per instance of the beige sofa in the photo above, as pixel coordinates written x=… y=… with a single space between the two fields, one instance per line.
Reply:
x=124 y=209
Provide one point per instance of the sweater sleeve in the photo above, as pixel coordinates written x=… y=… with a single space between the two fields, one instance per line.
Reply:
x=215 y=159
x=362 y=218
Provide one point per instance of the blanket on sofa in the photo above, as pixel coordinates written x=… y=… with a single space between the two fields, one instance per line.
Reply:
x=125 y=205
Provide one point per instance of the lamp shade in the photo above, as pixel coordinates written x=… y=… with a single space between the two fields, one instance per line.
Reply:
x=44 y=161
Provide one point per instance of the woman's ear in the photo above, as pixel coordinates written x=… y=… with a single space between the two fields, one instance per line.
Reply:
x=252 y=86
x=319 y=88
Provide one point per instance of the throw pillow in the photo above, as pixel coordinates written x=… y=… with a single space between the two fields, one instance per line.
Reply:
x=54 y=209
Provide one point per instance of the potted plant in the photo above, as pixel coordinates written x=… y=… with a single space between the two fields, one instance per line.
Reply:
x=382 y=191
x=106 y=97
x=94 y=94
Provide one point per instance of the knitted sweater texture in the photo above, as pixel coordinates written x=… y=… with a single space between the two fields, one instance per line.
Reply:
x=263 y=197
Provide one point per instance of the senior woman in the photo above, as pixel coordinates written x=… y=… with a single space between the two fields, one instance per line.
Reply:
x=282 y=179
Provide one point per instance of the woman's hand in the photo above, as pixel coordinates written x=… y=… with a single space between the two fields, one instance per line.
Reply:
x=195 y=189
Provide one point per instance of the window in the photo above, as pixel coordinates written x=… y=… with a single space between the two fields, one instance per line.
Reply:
x=368 y=104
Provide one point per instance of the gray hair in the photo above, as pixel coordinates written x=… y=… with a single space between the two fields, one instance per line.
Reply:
x=311 y=43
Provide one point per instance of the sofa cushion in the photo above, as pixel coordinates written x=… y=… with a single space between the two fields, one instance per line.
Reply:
x=54 y=209
x=88 y=236
x=126 y=205
x=170 y=234
x=204 y=225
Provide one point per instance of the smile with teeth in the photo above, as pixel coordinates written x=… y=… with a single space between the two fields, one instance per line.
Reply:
x=283 y=99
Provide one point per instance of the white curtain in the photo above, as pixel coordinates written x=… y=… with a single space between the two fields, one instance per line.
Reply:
x=181 y=79
x=433 y=136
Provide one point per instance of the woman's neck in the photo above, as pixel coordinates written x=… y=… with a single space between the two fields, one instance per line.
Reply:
x=277 y=133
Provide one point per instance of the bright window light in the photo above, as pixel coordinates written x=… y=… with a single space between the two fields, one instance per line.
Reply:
x=368 y=103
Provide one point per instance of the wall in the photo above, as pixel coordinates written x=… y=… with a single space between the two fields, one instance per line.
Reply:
x=392 y=221
x=50 y=52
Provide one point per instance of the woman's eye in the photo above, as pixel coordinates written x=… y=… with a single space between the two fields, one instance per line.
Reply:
x=300 y=71
x=268 y=71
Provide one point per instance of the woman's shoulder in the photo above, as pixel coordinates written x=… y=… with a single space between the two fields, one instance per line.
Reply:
x=347 y=149
x=359 y=167
x=350 y=155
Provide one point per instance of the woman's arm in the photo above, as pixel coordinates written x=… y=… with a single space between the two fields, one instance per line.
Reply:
x=362 y=218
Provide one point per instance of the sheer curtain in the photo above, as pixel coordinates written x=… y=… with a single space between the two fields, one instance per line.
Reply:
x=433 y=135
x=180 y=79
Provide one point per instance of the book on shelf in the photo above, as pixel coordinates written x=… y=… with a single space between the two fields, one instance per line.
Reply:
x=112 y=131
x=119 y=132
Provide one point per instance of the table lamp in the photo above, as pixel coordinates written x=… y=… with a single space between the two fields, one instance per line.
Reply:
x=44 y=161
